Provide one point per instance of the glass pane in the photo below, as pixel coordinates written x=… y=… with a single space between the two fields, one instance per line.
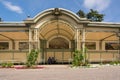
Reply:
x=90 y=45
x=23 y=45
x=4 y=45
x=58 y=43
x=111 y=46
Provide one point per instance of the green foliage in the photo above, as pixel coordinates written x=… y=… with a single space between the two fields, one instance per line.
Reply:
x=32 y=58
x=3 y=65
x=78 y=58
x=81 y=14
x=115 y=62
x=93 y=15
x=7 y=65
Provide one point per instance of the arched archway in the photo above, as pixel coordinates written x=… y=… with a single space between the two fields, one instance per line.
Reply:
x=55 y=23
x=58 y=43
x=56 y=28
x=56 y=39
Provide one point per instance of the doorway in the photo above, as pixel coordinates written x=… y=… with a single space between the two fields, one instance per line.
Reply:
x=57 y=48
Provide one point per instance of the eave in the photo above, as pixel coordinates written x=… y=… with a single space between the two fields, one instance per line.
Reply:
x=12 y=24
x=104 y=24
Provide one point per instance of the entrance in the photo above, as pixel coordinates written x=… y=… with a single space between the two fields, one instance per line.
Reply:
x=60 y=55
x=57 y=41
x=58 y=48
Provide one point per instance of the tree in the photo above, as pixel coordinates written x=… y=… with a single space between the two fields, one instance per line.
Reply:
x=81 y=14
x=93 y=15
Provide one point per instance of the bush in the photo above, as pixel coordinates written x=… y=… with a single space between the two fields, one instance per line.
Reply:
x=78 y=58
x=32 y=58
x=115 y=62
x=7 y=65
x=3 y=65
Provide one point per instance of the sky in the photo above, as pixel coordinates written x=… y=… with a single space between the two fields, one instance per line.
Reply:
x=18 y=10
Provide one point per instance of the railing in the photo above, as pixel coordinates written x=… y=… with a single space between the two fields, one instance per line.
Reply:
x=91 y=56
x=13 y=56
x=58 y=50
x=10 y=51
x=102 y=56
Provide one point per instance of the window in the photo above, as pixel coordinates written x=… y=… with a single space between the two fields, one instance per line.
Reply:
x=90 y=45
x=23 y=45
x=59 y=43
x=111 y=46
x=4 y=45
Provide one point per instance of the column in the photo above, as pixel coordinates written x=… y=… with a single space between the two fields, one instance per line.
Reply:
x=30 y=39
x=38 y=39
x=83 y=44
x=77 y=39
x=35 y=38
x=83 y=40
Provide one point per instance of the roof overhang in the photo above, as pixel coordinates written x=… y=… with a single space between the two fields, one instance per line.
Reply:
x=104 y=24
x=13 y=24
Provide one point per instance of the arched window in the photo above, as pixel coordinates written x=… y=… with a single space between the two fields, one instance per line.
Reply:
x=59 y=43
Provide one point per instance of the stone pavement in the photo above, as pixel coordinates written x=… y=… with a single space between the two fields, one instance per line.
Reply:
x=62 y=72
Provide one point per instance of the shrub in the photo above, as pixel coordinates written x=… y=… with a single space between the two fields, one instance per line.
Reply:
x=78 y=58
x=32 y=58
x=7 y=65
x=3 y=65
x=115 y=62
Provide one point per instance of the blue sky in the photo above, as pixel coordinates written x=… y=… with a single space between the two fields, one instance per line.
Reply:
x=17 y=10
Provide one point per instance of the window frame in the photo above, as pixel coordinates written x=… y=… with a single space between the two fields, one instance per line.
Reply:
x=22 y=48
x=111 y=43
x=5 y=42
x=91 y=49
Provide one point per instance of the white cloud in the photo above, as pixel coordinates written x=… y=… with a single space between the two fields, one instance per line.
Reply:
x=12 y=7
x=99 y=5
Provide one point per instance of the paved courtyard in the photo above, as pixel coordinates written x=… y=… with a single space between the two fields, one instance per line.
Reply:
x=62 y=73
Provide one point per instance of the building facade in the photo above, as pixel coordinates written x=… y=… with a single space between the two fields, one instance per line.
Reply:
x=57 y=33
